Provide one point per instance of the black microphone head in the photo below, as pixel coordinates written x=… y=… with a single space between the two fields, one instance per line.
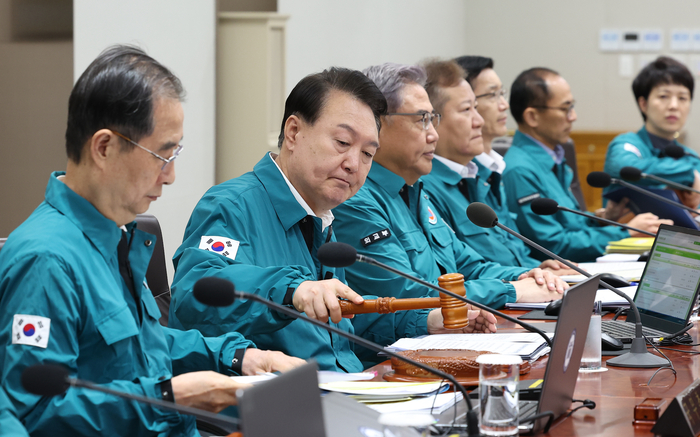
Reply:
x=214 y=292
x=632 y=174
x=598 y=179
x=674 y=151
x=337 y=254
x=45 y=379
x=544 y=206
x=482 y=215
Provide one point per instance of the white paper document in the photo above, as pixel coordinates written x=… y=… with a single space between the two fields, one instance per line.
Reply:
x=529 y=345
x=438 y=404
x=631 y=271
x=604 y=295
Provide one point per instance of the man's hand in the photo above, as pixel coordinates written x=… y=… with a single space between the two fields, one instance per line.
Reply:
x=546 y=278
x=528 y=290
x=208 y=391
x=613 y=210
x=259 y=361
x=689 y=198
x=479 y=321
x=319 y=299
x=558 y=268
x=647 y=222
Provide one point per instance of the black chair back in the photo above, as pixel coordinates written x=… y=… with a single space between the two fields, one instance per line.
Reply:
x=157 y=273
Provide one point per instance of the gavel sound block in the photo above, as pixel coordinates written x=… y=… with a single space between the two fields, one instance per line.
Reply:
x=454 y=312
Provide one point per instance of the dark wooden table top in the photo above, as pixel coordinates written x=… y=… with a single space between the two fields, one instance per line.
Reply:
x=616 y=391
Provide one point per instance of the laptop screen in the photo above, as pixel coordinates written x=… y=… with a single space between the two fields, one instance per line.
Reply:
x=672 y=275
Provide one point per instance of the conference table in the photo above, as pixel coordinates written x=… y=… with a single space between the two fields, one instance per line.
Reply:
x=616 y=391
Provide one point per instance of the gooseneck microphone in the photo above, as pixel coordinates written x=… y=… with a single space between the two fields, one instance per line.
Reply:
x=545 y=206
x=674 y=151
x=337 y=254
x=54 y=379
x=600 y=179
x=638 y=356
x=214 y=291
x=633 y=174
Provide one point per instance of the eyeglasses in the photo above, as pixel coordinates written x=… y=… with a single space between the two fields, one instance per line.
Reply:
x=568 y=110
x=166 y=161
x=503 y=92
x=428 y=117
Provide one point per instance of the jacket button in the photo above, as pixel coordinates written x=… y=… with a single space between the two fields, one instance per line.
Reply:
x=147 y=243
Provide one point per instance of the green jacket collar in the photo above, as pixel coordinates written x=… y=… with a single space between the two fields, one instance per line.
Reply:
x=288 y=210
x=539 y=157
x=102 y=232
x=445 y=174
x=386 y=179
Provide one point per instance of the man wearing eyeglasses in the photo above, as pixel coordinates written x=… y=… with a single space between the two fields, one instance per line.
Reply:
x=459 y=176
x=72 y=276
x=543 y=106
x=393 y=220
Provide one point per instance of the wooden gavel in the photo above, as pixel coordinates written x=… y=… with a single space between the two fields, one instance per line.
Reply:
x=454 y=311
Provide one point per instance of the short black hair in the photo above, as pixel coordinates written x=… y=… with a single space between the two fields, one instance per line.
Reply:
x=663 y=70
x=473 y=66
x=529 y=90
x=117 y=91
x=309 y=96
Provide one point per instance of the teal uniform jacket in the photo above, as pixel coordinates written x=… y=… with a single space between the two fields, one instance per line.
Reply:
x=531 y=173
x=416 y=240
x=9 y=423
x=494 y=244
x=59 y=273
x=258 y=212
x=634 y=149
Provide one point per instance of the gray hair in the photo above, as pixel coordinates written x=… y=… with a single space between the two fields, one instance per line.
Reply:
x=391 y=78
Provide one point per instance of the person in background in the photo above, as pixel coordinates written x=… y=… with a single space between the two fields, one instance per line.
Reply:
x=458 y=177
x=543 y=106
x=663 y=91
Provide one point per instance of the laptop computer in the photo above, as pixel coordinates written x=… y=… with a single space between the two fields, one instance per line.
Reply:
x=288 y=405
x=668 y=288
x=562 y=366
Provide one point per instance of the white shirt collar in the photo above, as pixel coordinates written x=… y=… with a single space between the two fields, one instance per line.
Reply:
x=493 y=161
x=326 y=217
x=465 y=171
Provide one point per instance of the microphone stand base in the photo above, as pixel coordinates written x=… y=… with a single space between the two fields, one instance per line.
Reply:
x=638 y=356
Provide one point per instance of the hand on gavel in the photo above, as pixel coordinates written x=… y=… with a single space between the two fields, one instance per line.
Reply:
x=479 y=321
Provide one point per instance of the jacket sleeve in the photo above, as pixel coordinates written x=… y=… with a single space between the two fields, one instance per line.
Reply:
x=620 y=154
x=584 y=242
x=44 y=286
x=192 y=352
x=9 y=423
x=222 y=218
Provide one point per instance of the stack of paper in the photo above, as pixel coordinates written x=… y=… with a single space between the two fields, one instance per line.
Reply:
x=384 y=391
x=630 y=245
x=529 y=346
x=432 y=404
x=607 y=297
x=631 y=271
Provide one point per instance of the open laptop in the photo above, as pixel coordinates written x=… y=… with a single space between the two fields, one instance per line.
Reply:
x=289 y=405
x=668 y=287
x=562 y=366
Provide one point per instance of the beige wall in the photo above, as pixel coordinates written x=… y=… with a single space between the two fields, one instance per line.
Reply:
x=35 y=82
x=564 y=36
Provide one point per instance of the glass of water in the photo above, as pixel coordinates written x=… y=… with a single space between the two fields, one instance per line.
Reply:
x=591 y=359
x=498 y=394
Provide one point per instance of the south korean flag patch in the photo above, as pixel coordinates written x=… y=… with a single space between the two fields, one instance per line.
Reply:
x=221 y=245
x=31 y=330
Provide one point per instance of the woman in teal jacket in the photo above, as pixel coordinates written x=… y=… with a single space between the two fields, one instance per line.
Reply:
x=663 y=91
